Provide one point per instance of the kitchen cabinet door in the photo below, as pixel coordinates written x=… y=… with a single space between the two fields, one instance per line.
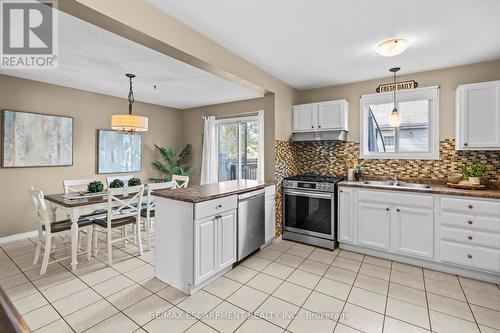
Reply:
x=413 y=231
x=205 y=249
x=346 y=215
x=305 y=117
x=478 y=116
x=374 y=225
x=226 y=239
x=270 y=211
x=331 y=115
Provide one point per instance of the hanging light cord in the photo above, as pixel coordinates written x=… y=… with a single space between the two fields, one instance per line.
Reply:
x=130 y=97
x=395 y=88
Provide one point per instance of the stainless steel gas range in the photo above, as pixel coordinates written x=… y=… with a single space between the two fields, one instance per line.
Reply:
x=310 y=209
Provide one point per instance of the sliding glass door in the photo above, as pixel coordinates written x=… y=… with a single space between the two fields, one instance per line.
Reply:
x=238 y=147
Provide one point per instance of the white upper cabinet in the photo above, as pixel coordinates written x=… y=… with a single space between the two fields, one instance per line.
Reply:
x=323 y=116
x=478 y=116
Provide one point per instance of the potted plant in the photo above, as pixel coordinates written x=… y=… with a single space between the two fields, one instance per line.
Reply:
x=95 y=187
x=116 y=183
x=134 y=181
x=358 y=171
x=176 y=164
x=475 y=172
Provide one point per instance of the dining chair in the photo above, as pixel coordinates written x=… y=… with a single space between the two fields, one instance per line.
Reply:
x=124 y=179
x=47 y=230
x=124 y=209
x=183 y=179
x=148 y=213
x=79 y=185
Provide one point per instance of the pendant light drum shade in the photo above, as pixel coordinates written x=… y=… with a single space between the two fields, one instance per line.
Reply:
x=129 y=123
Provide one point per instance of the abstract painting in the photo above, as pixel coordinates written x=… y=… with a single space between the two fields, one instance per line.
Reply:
x=36 y=140
x=118 y=152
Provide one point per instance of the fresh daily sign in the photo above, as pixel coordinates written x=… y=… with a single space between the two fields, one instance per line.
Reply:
x=404 y=85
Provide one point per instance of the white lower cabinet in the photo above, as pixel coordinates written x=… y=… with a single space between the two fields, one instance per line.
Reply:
x=270 y=211
x=374 y=225
x=214 y=244
x=460 y=233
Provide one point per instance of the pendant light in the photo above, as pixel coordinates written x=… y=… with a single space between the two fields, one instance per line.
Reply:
x=395 y=119
x=129 y=122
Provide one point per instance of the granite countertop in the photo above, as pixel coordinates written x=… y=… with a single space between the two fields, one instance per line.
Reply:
x=202 y=193
x=436 y=188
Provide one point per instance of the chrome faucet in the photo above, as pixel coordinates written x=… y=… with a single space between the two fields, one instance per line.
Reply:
x=394 y=178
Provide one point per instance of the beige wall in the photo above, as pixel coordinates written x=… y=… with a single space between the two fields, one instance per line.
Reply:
x=145 y=24
x=90 y=112
x=193 y=129
x=448 y=79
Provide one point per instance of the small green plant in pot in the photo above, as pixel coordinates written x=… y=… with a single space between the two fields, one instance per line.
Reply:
x=475 y=172
x=95 y=187
x=358 y=171
x=116 y=183
x=134 y=181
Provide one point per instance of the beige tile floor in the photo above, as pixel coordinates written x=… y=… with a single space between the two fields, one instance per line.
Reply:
x=286 y=287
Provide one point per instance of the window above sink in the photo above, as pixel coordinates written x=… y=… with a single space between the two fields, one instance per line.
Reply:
x=417 y=137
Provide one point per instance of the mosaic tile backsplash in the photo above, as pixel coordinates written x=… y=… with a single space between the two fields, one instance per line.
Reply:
x=330 y=157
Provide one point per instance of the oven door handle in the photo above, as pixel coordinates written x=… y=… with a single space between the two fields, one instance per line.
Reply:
x=308 y=194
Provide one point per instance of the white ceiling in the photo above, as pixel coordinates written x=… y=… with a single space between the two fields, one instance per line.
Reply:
x=313 y=43
x=96 y=60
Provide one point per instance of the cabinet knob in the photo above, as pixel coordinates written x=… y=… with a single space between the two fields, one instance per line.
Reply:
x=469 y=256
x=319 y=126
x=312 y=126
x=466 y=144
x=469 y=237
x=341 y=191
x=470 y=222
x=218 y=206
x=470 y=206
x=398 y=210
x=387 y=209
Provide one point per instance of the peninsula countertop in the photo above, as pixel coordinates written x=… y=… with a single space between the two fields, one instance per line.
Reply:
x=200 y=193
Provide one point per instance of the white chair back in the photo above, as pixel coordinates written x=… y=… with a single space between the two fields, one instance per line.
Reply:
x=150 y=205
x=76 y=185
x=125 y=202
x=41 y=208
x=124 y=179
x=184 y=180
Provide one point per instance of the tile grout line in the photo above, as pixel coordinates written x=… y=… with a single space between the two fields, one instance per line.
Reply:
x=387 y=296
x=468 y=304
x=427 y=300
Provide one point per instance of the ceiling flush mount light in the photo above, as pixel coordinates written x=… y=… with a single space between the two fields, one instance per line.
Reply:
x=395 y=119
x=129 y=122
x=392 y=47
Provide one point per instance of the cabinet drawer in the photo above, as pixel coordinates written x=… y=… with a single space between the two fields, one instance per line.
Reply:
x=216 y=206
x=470 y=256
x=475 y=222
x=470 y=206
x=471 y=237
x=394 y=199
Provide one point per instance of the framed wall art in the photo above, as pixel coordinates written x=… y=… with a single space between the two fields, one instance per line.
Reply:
x=36 y=140
x=118 y=152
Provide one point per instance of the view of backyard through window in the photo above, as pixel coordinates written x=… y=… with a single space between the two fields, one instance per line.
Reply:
x=411 y=136
x=238 y=146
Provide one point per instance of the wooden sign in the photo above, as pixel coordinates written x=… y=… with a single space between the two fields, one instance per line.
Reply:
x=405 y=85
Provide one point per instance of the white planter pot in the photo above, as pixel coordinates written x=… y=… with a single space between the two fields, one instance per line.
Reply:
x=350 y=174
x=475 y=180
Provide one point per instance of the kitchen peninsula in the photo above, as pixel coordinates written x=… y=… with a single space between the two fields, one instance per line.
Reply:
x=196 y=231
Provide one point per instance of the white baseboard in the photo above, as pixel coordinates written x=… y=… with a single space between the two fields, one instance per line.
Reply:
x=16 y=237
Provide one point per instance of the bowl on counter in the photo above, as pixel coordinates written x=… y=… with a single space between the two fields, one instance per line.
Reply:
x=455 y=178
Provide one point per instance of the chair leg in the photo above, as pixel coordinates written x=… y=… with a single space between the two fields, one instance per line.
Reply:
x=124 y=235
x=138 y=233
x=147 y=223
x=110 y=248
x=95 y=240
x=46 y=254
x=89 y=242
x=38 y=246
x=79 y=242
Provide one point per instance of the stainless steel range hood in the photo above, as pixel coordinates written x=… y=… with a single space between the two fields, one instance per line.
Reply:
x=335 y=135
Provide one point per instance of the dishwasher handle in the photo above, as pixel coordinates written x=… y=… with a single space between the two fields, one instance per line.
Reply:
x=251 y=195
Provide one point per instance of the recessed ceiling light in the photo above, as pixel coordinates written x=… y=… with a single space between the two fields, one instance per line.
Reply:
x=392 y=47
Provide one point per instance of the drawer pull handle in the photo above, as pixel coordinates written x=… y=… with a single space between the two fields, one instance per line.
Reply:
x=398 y=210
x=218 y=206
x=469 y=237
x=387 y=209
x=470 y=206
x=470 y=222
x=469 y=256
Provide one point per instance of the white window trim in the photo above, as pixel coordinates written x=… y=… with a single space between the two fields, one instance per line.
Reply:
x=430 y=93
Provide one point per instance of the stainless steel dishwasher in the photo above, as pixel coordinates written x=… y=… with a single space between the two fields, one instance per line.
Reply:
x=251 y=222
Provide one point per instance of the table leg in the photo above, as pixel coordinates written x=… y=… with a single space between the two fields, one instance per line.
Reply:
x=75 y=215
x=53 y=209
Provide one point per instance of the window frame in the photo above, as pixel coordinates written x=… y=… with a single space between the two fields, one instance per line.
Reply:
x=430 y=93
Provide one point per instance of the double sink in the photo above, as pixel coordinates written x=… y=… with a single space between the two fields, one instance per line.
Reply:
x=391 y=183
